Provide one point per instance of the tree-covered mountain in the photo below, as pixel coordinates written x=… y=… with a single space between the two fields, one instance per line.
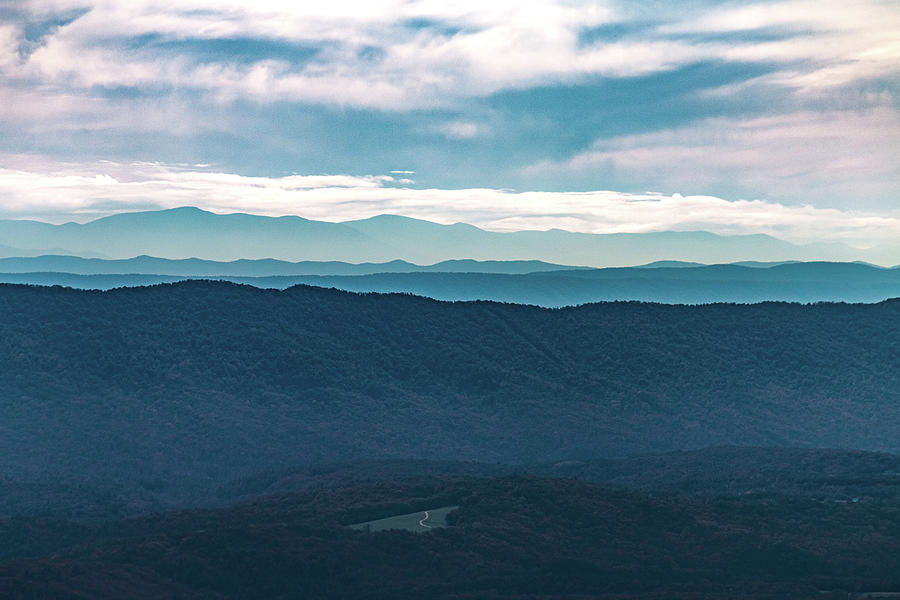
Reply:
x=547 y=285
x=752 y=474
x=191 y=232
x=207 y=440
x=512 y=536
x=175 y=387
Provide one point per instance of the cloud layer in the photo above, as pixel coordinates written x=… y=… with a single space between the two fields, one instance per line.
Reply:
x=396 y=54
x=793 y=102
x=845 y=152
x=81 y=192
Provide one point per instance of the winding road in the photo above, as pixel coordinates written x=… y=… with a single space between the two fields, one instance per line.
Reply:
x=422 y=522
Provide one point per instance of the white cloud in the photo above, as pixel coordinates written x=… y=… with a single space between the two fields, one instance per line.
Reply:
x=838 y=42
x=500 y=44
x=34 y=187
x=475 y=49
x=853 y=155
x=51 y=112
x=431 y=53
x=874 y=17
x=9 y=47
x=460 y=130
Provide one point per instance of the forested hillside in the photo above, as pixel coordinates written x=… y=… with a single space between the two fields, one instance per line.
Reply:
x=512 y=537
x=194 y=383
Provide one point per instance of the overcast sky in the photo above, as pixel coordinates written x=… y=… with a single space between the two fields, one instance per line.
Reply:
x=774 y=117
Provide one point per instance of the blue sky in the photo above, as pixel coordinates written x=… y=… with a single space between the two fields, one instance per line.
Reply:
x=775 y=117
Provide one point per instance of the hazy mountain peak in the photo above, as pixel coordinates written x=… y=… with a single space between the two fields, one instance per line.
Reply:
x=392 y=220
x=669 y=264
x=180 y=212
x=188 y=231
x=387 y=218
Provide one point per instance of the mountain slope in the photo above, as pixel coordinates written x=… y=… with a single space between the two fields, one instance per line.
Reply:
x=510 y=538
x=183 y=385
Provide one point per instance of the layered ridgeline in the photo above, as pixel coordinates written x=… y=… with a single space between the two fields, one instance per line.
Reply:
x=267 y=267
x=523 y=282
x=188 y=441
x=190 y=232
x=199 y=382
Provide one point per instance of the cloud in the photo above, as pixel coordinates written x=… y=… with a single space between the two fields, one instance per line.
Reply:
x=460 y=130
x=51 y=112
x=832 y=43
x=808 y=108
x=799 y=155
x=39 y=188
x=9 y=47
x=365 y=54
x=394 y=55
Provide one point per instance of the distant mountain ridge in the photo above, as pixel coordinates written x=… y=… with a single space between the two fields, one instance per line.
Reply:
x=540 y=284
x=190 y=232
x=195 y=267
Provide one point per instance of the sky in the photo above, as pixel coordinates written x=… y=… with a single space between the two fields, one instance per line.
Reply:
x=734 y=117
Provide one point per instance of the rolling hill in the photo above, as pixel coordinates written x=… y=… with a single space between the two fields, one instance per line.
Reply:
x=513 y=536
x=176 y=387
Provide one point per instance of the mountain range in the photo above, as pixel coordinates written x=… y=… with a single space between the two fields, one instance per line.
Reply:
x=212 y=441
x=193 y=233
x=244 y=428
x=195 y=267
x=198 y=382
x=522 y=282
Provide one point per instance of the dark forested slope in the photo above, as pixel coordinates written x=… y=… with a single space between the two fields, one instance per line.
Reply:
x=202 y=382
x=511 y=537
